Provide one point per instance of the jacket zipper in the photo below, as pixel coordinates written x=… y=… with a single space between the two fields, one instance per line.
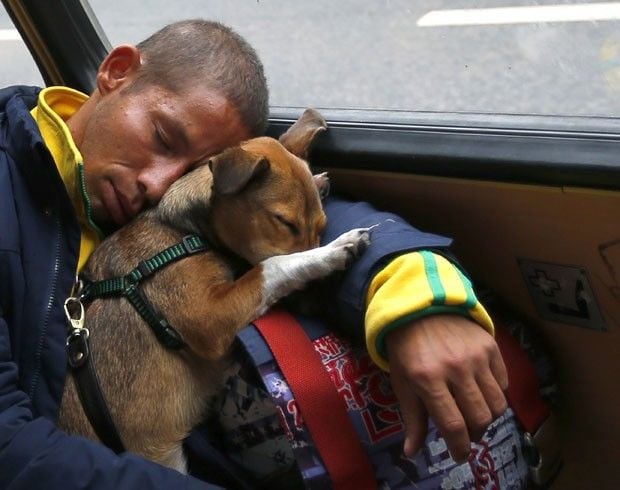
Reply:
x=50 y=304
x=86 y=199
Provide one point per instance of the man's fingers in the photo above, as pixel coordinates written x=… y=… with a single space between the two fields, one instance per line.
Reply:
x=414 y=415
x=443 y=410
x=498 y=368
x=416 y=425
x=493 y=394
x=474 y=408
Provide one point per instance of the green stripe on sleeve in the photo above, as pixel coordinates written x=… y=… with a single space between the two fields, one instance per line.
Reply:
x=471 y=300
x=432 y=276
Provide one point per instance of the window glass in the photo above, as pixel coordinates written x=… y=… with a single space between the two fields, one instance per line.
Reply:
x=18 y=67
x=554 y=57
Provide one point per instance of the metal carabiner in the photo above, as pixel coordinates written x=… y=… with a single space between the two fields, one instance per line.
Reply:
x=77 y=324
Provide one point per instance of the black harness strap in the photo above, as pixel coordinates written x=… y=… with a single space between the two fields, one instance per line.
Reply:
x=78 y=349
x=128 y=286
x=89 y=391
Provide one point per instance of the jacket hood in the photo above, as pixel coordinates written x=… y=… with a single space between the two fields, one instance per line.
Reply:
x=24 y=91
x=15 y=104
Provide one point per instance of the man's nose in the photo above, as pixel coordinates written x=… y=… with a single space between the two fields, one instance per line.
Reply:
x=155 y=180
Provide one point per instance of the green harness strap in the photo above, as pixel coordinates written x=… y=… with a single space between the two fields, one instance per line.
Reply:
x=127 y=286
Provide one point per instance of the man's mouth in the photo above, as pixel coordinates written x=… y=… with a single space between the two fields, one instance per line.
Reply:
x=129 y=210
x=116 y=205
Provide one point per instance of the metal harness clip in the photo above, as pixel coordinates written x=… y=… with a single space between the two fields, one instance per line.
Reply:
x=77 y=345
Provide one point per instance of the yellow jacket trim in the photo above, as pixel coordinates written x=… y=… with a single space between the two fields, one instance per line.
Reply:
x=414 y=285
x=54 y=108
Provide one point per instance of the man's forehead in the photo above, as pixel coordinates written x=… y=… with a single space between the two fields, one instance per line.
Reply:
x=204 y=121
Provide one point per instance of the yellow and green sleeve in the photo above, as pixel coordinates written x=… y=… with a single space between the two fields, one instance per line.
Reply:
x=412 y=286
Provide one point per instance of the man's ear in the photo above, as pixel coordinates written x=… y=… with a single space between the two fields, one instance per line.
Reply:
x=300 y=135
x=118 y=67
x=234 y=168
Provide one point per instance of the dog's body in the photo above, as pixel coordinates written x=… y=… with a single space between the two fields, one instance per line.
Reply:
x=258 y=202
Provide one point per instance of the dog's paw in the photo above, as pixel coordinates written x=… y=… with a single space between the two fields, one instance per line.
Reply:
x=284 y=274
x=347 y=247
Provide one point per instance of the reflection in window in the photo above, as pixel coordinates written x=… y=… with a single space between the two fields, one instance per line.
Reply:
x=542 y=57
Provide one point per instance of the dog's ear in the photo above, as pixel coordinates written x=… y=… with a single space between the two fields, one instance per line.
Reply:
x=234 y=168
x=322 y=184
x=187 y=200
x=300 y=135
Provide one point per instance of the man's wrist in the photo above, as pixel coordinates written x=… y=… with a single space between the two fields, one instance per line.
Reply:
x=414 y=286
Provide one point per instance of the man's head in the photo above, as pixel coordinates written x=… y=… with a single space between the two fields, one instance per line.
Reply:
x=257 y=199
x=162 y=108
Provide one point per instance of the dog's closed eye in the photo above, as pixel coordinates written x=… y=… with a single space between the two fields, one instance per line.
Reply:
x=289 y=224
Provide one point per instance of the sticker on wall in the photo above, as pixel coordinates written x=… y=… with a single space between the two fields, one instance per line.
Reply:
x=562 y=293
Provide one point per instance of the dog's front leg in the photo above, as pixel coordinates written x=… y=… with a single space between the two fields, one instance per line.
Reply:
x=229 y=306
x=284 y=274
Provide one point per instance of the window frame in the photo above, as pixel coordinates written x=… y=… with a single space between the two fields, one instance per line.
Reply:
x=66 y=41
x=561 y=151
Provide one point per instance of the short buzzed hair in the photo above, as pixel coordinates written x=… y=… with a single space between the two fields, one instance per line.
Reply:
x=197 y=51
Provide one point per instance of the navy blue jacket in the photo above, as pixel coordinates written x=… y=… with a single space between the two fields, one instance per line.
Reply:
x=39 y=245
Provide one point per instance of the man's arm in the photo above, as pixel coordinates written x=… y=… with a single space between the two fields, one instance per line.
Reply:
x=442 y=363
x=34 y=453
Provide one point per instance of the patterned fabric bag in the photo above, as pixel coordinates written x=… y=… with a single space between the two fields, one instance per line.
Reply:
x=263 y=429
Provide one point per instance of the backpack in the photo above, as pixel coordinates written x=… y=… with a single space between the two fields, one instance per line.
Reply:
x=350 y=433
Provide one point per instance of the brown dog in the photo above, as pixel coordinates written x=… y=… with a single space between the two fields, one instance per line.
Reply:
x=257 y=201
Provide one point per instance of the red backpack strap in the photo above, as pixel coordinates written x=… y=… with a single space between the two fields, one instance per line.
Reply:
x=323 y=410
x=523 y=395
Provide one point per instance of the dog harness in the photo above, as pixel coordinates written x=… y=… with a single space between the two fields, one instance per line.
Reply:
x=78 y=349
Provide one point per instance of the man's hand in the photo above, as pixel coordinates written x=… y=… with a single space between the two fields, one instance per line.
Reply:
x=450 y=368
